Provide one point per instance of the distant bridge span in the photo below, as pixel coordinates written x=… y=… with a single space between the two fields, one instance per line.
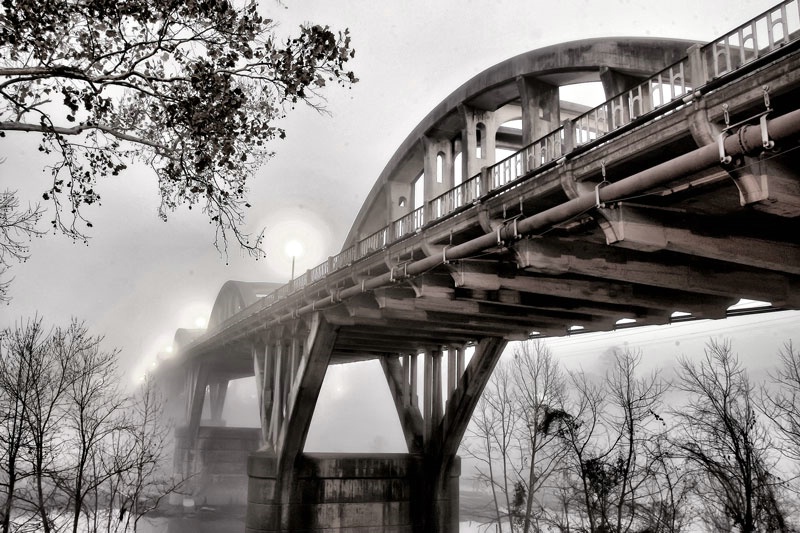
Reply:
x=680 y=193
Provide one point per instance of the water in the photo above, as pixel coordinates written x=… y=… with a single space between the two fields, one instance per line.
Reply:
x=226 y=520
x=204 y=520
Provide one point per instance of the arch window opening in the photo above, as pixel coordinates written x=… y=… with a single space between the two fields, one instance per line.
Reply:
x=480 y=140
x=589 y=94
x=419 y=191
x=440 y=168
x=457 y=170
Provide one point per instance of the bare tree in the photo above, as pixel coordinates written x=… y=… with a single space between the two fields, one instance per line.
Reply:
x=490 y=440
x=781 y=401
x=587 y=470
x=671 y=486
x=20 y=351
x=17 y=227
x=538 y=390
x=509 y=435
x=94 y=412
x=728 y=443
x=634 y=417
x=87 y=452
x=145 y=480
x=609 y=427
x=45 y=412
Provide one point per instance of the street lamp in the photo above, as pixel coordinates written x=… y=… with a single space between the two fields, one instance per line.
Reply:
x=293 y=249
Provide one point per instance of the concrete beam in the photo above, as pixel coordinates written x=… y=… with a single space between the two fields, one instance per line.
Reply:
x=647 y=229
x=554 y=256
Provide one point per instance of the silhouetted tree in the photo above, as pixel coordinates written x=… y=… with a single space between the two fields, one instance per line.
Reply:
x=538 y=390
x=17 y=227
x=191 y=89
x=83 y=448
x=724 y=438
x=781 y=401
x=509 y=437
x=21 y=357
x=490 y=440
x=609 y=427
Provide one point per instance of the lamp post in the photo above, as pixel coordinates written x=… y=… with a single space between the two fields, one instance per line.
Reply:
x=293 y=249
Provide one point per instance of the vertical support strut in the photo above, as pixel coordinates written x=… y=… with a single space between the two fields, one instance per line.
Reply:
x=406 y=391
x=436 y=382
x=218 y=391
x=427 y=395
x=197 y=398
x=414 y=380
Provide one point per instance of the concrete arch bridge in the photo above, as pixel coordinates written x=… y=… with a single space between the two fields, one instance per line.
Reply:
x=679 y=193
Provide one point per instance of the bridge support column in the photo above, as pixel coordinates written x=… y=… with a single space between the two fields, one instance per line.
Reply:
x=435 y=433
x=541 y=110
x=218 y=391
x=477 y=140
x=343 y=493
x=437 y=168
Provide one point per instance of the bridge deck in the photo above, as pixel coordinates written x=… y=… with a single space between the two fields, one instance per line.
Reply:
x=712 y=250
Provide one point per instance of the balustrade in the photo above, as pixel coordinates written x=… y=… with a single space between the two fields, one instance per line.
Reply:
x=762 y=35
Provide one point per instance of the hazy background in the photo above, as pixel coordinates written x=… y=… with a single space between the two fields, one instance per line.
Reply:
x=139 y=279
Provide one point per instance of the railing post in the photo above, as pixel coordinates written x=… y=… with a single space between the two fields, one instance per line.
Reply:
x=485 y=181
x=697 y=71
x=569 y=136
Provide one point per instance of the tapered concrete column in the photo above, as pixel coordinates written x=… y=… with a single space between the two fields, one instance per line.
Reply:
x=633 y=103
x=427 y=396
x=198 y=381
x=399 y=200
x=436 y=382
x=476 y=120
x=541 y=110
x=218 y=391
x=438 y=167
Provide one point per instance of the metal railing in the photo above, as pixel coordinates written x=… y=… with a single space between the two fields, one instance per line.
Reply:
x=766 y=33
x=760 y=36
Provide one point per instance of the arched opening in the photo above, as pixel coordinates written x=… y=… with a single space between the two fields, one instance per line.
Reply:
x=589 y=94
x=457 y=169
x=480 y=140
x=419 y=191
x=508 y=138
x=439 y=167
x=402 y=201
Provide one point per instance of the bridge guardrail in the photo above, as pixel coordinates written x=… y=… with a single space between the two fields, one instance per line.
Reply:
x=766 y=33
x=756 y=38
x=660 y=89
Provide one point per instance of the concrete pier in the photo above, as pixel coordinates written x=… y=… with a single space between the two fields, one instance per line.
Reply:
x=215 y=465
x=341 y=493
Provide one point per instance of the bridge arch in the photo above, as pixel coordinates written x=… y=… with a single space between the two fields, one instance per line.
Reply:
x=526 y=86
x=235 y=296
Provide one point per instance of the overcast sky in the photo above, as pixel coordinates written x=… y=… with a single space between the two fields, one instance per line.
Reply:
x=139 y=279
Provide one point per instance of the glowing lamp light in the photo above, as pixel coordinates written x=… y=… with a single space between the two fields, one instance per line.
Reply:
x=294 y=248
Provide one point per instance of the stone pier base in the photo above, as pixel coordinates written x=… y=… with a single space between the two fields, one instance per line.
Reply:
x=345 y=493
x=215 y=467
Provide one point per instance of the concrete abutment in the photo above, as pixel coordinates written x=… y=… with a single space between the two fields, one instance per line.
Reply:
x=213 y=464
x=348 y=493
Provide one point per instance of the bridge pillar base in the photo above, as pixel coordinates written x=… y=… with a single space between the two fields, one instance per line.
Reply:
x=213 y=463
x=345 y=493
